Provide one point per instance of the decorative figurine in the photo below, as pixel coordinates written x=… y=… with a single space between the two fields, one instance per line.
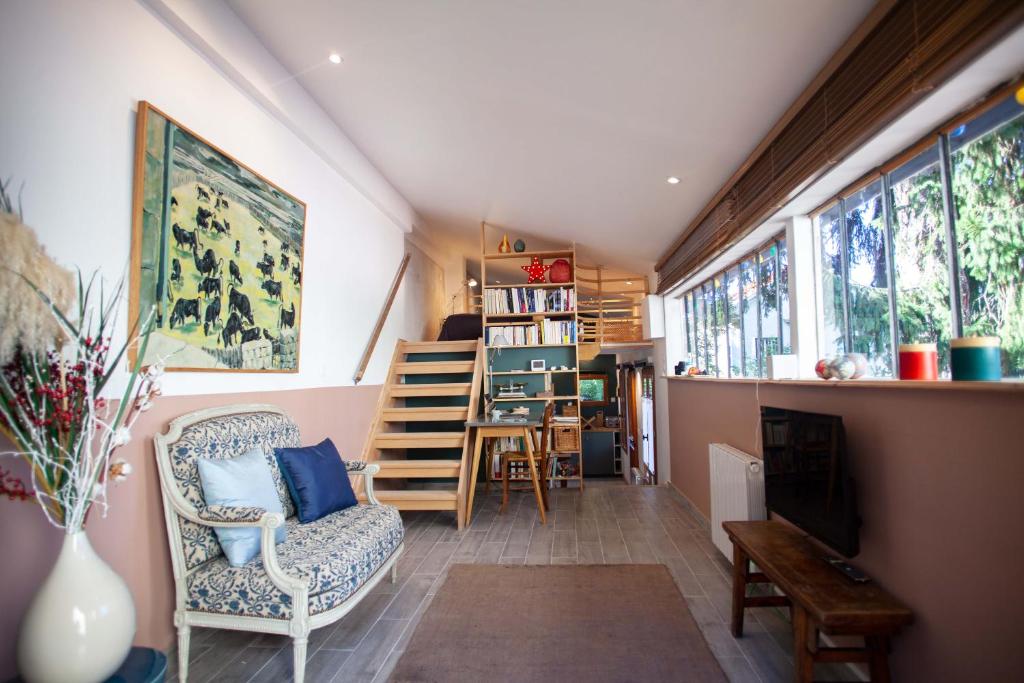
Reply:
x=519 y=246
x=535 y=270
x=504 y=247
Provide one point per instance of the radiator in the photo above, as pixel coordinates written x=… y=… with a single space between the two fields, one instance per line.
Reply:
x=737 y=491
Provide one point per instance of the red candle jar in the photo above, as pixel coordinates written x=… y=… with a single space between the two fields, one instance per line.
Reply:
x=919 y=361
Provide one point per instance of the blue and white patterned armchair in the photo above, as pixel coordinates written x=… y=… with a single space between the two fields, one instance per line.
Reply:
x=314 y=578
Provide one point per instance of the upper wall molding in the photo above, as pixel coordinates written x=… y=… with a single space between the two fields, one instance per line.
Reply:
x=213 y=30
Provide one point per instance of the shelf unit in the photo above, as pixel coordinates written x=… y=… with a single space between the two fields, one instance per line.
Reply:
x=513 y=319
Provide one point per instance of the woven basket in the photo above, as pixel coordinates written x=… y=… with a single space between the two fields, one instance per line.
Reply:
x=571 y=410
x=566 y=438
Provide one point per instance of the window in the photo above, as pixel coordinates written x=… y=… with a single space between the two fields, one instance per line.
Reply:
x=741 y=315
x=749 y=318
x=769 y=337
x=867 y=273
x=987 y=159
x=710 y=331
x=700 y=330
x=787 y=344
x=920 y=254
x=832 y=299
x=721 y=327
x=593 y=388
x=735 y=332
x=931 y=250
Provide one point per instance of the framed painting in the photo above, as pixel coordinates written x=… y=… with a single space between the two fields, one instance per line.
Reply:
x=218 y=249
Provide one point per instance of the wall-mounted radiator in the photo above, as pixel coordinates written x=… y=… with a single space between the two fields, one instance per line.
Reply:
x=737 y=491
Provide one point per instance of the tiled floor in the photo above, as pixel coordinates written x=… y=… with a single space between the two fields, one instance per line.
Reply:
x=608 y=522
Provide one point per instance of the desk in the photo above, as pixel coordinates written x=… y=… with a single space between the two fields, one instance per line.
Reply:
x=486 y=429
x=822 y=599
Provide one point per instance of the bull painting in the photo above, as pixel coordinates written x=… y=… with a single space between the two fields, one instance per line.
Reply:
x=198 y=209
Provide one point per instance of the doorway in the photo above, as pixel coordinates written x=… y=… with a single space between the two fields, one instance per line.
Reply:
x=637 y=397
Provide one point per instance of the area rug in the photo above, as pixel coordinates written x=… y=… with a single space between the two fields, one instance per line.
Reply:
x=557 y=623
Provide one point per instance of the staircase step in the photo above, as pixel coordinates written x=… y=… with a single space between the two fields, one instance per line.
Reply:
x=418 y=499
x=453 y=389
x=412 y=469
x=446 y=414
x=419 y=440
x=440 y=347
x=435 y=367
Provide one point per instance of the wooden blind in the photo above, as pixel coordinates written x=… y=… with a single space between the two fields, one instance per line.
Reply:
x=910 y=50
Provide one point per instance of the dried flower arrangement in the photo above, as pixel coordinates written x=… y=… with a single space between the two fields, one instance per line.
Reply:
x=55 y=368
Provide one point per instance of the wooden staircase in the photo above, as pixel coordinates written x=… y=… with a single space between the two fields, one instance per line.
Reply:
x=418 y=433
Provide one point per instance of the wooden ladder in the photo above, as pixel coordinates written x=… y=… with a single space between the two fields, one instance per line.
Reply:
x=431 y=389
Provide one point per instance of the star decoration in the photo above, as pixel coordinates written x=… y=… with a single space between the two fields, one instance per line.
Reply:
x=535 y=270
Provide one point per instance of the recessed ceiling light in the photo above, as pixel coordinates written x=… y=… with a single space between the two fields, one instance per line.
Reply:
x=672 y=180
x=335 y=58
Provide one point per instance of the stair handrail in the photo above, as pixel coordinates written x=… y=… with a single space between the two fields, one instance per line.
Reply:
x=381 y=319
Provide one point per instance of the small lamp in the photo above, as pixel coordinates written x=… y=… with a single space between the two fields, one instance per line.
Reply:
x=469 y=283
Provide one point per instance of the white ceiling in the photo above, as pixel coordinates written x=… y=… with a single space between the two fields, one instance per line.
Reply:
x=563 y=118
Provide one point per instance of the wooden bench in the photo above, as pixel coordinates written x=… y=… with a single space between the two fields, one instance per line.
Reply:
x=820 y=598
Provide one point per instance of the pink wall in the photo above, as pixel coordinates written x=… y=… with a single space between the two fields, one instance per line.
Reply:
x=132 y=538
x=940 y=477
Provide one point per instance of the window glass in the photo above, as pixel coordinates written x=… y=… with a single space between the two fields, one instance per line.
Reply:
x=833 y=325
x=868 y=273
x=710 y=321
x=988 y=188
x=688 y=318
x=769 y=306
x=787 y=344
x=699 y=346
x=920 y=257
x=748 y=292
x=735 y=339
x=721 y=327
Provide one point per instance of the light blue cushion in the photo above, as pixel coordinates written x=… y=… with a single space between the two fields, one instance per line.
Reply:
x=245 y=481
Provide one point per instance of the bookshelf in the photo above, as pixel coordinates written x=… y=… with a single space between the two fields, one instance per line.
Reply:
x=550 y=334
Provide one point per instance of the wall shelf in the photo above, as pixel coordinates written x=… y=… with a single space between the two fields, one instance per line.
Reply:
x=538 y=398
x=538 y=285
x=538 y=314
x=531 y=372
x=555 y=253
x=532 y=346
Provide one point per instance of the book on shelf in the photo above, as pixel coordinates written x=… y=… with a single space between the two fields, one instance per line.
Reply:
x=544 y=332
x=529 y=300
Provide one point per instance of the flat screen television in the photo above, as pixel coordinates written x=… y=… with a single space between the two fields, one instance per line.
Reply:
x=807 y=477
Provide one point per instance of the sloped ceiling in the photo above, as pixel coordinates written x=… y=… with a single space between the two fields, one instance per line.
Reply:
x=560 y=119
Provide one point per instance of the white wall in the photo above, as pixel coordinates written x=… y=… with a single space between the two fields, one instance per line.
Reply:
x=71 y=74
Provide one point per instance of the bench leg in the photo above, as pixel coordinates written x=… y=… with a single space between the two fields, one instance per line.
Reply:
x=803 y=665
x=878 y=648
x=739 y=588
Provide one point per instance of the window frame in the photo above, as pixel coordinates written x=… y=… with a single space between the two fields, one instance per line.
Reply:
x=709 y=335
x=941 y=140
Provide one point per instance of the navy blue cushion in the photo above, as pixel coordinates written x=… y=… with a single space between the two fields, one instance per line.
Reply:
x=317 y=480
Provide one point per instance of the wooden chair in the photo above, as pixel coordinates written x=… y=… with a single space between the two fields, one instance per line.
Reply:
x=509 y=458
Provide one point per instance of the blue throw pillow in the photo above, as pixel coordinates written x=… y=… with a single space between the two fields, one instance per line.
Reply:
x=317 y=480
x=245 y=481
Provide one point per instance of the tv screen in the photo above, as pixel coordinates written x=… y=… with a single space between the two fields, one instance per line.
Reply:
x=807 y=478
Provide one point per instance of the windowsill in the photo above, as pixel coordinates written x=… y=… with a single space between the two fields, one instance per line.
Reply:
x=1012 y=385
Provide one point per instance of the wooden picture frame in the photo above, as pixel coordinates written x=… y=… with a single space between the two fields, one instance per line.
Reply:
x=591 y=377
x=218 y=250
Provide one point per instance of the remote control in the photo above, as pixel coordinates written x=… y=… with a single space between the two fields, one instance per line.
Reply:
x=851 y=572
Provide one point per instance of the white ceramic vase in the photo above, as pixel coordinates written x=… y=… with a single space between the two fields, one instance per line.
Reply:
x=80 y=625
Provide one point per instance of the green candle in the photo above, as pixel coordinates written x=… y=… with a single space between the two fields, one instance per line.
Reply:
x=976 y=359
